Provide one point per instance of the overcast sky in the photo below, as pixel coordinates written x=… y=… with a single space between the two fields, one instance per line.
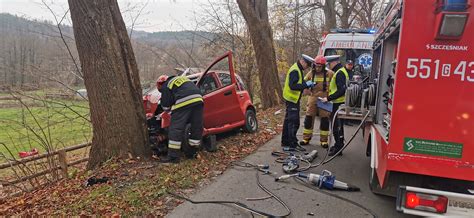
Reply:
x=159 y=15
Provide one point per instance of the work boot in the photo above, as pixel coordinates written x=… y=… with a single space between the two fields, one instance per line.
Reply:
x=324 y=144
x=304 y=142
x=333 y=150
x=191 y=152
x=174 y=156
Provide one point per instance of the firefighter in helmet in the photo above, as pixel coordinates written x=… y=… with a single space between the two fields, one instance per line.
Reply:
x=337 y=95
x=183 y=99
x=321 y=76
x=292 y=91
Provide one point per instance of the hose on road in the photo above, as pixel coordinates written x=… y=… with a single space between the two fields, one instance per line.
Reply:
x=302 y=182
x=242 y=205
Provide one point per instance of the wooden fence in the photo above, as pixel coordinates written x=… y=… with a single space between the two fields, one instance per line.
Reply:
x=62 y=167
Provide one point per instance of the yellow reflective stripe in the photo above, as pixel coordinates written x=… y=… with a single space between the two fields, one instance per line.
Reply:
x=177 y=147
x=170 y=83
x=174 y=146
x=188 y=102
x=177 y=81
x=324 y=132
x=307 y=131
x=319 y=79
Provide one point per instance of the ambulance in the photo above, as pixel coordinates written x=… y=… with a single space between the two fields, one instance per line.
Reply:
x=350 y=44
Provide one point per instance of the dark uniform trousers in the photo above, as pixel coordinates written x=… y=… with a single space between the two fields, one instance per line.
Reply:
x=192 y=114
x=291 y=125
x=338 y=127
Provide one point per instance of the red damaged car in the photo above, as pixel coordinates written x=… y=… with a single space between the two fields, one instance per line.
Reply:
x=227 y=105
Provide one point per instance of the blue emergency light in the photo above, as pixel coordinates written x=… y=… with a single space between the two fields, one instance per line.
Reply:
x=340 y=30
x=454 y=5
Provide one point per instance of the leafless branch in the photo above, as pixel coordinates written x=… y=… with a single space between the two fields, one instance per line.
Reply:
x=134 y=19
x=58 y=24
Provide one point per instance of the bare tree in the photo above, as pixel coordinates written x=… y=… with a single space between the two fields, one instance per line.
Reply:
x=329 y=8
x=112 y=81
x=224 y=20
x=255 y=13
x=348 y=12
x=369 y=11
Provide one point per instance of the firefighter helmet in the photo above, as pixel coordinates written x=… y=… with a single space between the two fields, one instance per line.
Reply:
x=320 y=60
x=162 y=79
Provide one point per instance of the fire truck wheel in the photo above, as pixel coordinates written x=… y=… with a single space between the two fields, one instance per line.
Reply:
x=374 y=182
x=251 y=124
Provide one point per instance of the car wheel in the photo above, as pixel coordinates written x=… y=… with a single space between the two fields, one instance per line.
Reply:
x=251 y=124
x=210 y=144
x=187 y=150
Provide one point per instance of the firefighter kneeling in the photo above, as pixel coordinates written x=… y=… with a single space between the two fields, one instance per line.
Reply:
x=183 y=98
x=321 y=77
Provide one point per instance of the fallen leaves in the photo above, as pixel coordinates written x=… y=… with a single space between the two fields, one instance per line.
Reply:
x=140 y=188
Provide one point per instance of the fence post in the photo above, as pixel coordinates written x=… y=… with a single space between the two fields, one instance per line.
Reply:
x=63 y=163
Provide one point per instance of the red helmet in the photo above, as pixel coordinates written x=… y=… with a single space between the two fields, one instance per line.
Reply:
x=320 y=60
x=162 y=79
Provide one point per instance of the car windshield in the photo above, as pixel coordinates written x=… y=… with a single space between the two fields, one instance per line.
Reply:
x=362 y=59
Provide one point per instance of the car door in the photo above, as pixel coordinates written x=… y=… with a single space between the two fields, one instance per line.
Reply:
x=221 y=106
x=209 y=86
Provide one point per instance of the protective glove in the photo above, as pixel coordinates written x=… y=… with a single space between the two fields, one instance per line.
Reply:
x=310 y=84
x=165 y=119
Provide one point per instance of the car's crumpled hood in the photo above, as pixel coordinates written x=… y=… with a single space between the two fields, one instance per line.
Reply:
x=153 y=96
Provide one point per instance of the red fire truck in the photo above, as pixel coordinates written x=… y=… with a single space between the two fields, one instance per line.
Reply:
x=421 y=135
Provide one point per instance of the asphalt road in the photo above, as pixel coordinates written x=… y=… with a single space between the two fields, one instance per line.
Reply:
x=237 y=184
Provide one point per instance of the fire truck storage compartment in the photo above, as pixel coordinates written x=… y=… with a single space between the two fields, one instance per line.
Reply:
x=386 y=63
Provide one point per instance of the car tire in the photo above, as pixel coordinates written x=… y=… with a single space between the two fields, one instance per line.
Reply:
x=251 y=123
x=187 y=150
x=210 y=143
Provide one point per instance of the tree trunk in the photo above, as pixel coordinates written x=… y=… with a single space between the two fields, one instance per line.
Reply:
x=112 y=81
x=329 y=9
x=255 y=13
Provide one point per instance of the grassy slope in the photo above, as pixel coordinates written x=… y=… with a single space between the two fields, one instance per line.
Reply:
x=55 y=125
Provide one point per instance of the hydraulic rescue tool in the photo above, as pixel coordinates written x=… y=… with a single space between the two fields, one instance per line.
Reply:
x=291 y=162
x=326 y=180
x=310 y=156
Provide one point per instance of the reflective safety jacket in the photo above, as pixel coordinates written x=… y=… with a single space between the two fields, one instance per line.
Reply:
x=338 y=85
x=294 y=84
x=178 y=92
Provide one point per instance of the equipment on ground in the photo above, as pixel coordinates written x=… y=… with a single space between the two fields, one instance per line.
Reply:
x=324 y=180
x=310 y=156
x=291 y=164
